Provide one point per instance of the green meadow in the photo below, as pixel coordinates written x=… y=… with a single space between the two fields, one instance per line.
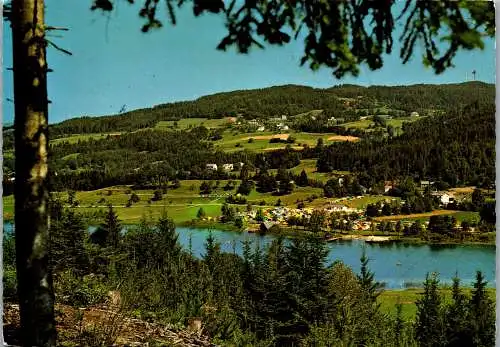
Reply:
x=408 y=297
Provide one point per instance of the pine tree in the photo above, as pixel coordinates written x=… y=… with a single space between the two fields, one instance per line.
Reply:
x=366 y=280
x=429 y=326
x=169 y=238
x=108 y=234
x=201 y=213
x=67 y=238
x=367 y=304
x=259 y=217
x=456 y=317
x=303 y=180
x=482 y=315
x=399 y=325
x=211 y=250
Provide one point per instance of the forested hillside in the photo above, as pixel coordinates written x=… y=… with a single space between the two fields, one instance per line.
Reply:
x=422 y=97
x=457 y=148
x=289 y=100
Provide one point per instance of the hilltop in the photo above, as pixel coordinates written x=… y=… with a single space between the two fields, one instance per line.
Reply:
x=347 y=102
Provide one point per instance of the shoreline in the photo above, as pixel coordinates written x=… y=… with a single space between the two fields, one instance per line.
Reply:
x=328 y=238
x=296 y=233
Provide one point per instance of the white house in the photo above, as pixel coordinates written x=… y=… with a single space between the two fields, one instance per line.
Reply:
x=414 y=114
x=282 y=126
x=227 y=167
x=212 y=167
x=261 y=128
x=444 y=198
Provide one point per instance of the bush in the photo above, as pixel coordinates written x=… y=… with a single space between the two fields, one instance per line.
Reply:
x=158 y=195
x=10 y=283
x=231 y=199
x=79 y=291
x=134 y=198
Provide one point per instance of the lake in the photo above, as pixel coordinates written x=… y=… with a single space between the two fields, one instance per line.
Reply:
x=396 y=264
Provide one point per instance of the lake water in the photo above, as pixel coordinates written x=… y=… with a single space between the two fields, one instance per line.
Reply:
x=395 y=264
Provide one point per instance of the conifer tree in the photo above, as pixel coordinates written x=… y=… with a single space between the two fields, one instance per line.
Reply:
x=429 y=326
x=67 y=238
x=368 y=306
x=456 y=317
x=399 y=325
x=303 y=180
x=201 y=213
x=481 y=315
x=109 y=232
x=169 y=238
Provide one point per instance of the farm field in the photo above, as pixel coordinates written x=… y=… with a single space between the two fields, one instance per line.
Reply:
x=260 y=140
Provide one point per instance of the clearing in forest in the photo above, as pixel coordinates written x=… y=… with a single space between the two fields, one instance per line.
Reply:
x=416 y=215
x=268 y=137
x=343 y=138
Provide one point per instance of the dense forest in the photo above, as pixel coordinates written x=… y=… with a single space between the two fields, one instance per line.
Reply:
x=288 y=100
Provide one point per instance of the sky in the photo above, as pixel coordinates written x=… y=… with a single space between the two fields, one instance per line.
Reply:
x=115 y=64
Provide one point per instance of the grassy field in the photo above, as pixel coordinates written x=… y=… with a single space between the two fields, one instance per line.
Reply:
x=236 y=142
x=78 y=137
x=360 y=124
x=309 y=166
x=389 y=298
x=260 y=140
x=180 y=204
x=365 y=200
x=192 y=122
x=459 y=215
x=365 y=123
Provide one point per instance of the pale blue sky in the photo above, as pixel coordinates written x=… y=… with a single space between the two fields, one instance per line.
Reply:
x=114 y=64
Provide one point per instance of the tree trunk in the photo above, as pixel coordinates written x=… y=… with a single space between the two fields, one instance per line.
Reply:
x=36 y=296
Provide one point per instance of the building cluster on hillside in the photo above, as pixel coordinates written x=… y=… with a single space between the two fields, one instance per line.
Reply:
x=227 y=167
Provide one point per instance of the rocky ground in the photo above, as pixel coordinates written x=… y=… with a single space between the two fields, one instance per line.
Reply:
x=104 y=326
